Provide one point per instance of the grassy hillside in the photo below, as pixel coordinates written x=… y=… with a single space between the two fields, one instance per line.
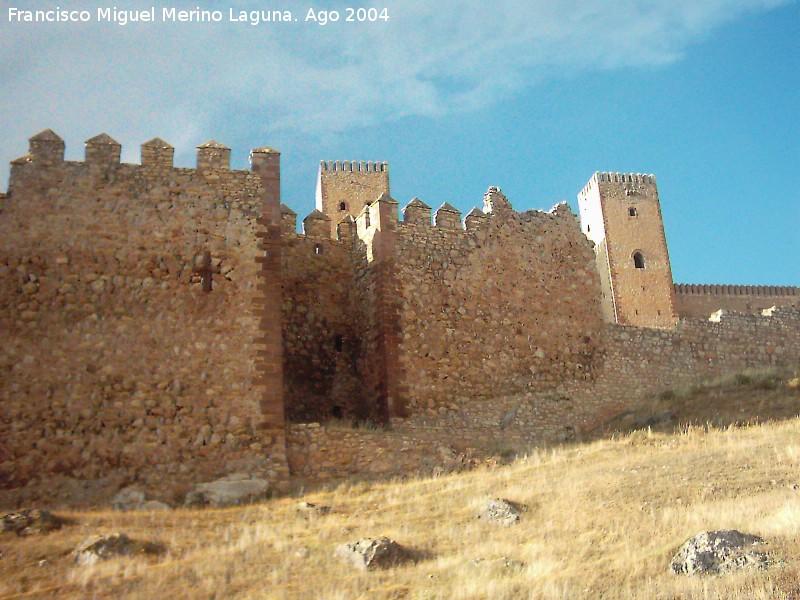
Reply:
x=603 y=521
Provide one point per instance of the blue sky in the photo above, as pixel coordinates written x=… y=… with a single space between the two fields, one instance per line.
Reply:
x=529 y=96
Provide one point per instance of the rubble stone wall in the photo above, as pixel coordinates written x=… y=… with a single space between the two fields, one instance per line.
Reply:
x=508 y=304
x=115 y=362
x=699 y=301
x=638 y=363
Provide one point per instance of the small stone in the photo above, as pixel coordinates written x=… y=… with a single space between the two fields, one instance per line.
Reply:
x=371 y=554
x=501 y=511
x=313 y=510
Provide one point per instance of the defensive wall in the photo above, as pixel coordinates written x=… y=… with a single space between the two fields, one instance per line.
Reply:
x=697 y=301
x=484 y=332
x=115 y=363
x=637 y=363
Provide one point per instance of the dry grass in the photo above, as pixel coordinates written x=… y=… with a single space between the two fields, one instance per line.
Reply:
x=603 y=521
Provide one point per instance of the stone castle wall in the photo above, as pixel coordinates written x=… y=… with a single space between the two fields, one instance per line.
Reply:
x=699 y=301
x=638 y=363
x=508 y=303
x=115 y=362
x=485 y=333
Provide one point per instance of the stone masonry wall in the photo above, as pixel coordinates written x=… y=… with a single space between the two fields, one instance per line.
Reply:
x=510 y=303
x=323 y=331
x=699 y=301
x=352 y=184
x=115 y=362
x=637 y=363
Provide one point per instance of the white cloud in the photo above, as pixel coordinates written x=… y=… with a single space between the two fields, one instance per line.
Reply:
x=186 y=82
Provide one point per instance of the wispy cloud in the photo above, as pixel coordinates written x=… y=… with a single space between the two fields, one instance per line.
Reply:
x=188 y=81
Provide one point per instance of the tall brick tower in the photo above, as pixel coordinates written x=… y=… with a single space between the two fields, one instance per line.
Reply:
x=346 y=187
x=621 y=214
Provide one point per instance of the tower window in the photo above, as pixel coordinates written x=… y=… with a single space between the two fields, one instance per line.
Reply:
x=338 y=343
x=632 y=212
x=318 y=249
x=342 y=206
x=638 y=260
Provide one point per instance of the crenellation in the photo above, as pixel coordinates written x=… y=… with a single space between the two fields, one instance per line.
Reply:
x=346 y=230
x=288 y=220
x=317 y=224
x=213 y=156
x=475 y=219
x=693 y=300
x=46 y=148
x=417 y=212
x=157 y=154
x=447 y=217
x=177 y=315
x=103 y=151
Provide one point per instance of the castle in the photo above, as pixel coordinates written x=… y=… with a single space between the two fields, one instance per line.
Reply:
x=167 y=325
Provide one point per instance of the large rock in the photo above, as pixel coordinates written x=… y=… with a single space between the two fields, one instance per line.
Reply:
x=714 y=552
x=370 y=554
x=100 y=548
x=133 y=498
x=232 y=490
x=502 y=511
x=31 y=521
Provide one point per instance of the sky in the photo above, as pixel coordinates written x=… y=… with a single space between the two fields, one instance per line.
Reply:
x=532 y=96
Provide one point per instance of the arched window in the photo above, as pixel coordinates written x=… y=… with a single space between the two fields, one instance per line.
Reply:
x=638 y=260
x=342 y=206
x=632 y=212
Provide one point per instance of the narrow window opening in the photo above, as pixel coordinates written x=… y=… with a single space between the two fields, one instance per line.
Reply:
x=588 y=228
x=338 y=343
x=633 y=212
x=342 y=206
x=638 y=260
x=318 y=249
x=636 y=312
x=337 y=412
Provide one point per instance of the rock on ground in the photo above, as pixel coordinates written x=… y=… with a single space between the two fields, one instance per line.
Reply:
x=100 y=548
x=30 y=521
x=501 y=511
x=133 y=498
x=313 y=510
x=716 y=552
x=370 y=554
x=232 y=490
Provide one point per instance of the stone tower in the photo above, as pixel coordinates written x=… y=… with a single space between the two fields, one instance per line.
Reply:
x=621 y=214
x=346 y=187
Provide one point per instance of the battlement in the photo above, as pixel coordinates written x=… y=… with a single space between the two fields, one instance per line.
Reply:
x=736 y=290
x=638 y=179
x=700 y=301
x=46 y=149
x=354 y=166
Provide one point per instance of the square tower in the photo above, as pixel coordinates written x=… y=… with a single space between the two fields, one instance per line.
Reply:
x=621 y=214
x=346 y=187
